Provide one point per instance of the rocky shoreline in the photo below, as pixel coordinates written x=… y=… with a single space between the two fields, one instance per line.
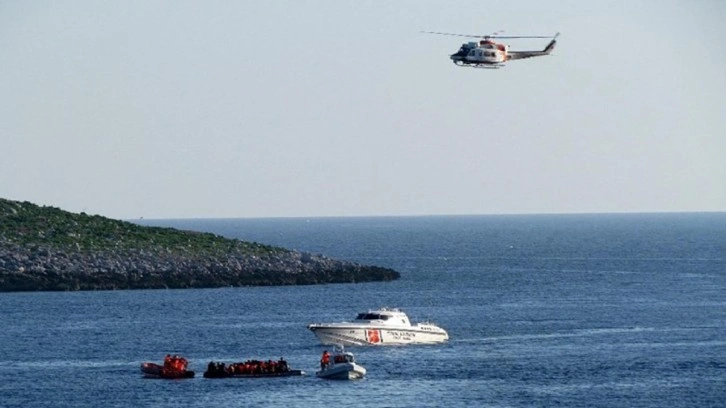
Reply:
x=47 y=249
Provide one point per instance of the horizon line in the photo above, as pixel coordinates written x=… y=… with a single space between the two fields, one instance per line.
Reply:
x=449 y=215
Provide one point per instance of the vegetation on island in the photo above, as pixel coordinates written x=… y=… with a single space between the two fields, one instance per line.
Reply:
x=48 y=249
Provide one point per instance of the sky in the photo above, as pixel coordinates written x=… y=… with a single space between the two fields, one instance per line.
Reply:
x=220 y=109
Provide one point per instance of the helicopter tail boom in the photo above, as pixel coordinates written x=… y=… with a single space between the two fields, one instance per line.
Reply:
x=513 y=55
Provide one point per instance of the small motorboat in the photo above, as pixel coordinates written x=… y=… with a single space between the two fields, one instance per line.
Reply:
x=174 y=367
x=343 y=367
x=153 y=370
x=379 y=327
x=251 y=369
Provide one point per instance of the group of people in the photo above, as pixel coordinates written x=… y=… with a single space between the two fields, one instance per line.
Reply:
x=338 y=358
x=175 y=363
x=249 y=367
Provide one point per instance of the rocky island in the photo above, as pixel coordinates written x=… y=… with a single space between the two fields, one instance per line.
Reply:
x=48 y=249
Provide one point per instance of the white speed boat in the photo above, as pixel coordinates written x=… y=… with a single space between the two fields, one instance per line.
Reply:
x=379 y=327
x=343 y=367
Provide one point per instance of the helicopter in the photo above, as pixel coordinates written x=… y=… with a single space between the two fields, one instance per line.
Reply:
x=487 y=53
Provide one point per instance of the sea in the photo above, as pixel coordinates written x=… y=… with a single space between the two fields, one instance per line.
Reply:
x=587 y=310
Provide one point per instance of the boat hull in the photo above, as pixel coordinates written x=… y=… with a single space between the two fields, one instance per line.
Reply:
x=343 y=371
x=357 y=336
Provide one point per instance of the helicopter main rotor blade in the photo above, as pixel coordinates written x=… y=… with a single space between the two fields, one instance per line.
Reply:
x=518 y=36
x=506 y=37
x=456 y=35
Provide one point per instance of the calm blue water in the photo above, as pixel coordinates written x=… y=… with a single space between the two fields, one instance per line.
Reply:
x=576 y=311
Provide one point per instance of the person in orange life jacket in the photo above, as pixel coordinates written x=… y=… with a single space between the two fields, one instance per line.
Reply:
x=181 y=363
x=176 y=363
x=324 y=360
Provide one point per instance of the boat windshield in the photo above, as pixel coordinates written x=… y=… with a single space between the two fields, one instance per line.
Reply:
x=371 y=316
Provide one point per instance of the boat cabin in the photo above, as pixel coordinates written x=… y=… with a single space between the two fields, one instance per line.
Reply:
x=390 y=316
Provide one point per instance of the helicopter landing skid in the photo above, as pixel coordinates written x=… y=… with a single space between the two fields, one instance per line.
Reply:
x=474 y=65
x=481 y=66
